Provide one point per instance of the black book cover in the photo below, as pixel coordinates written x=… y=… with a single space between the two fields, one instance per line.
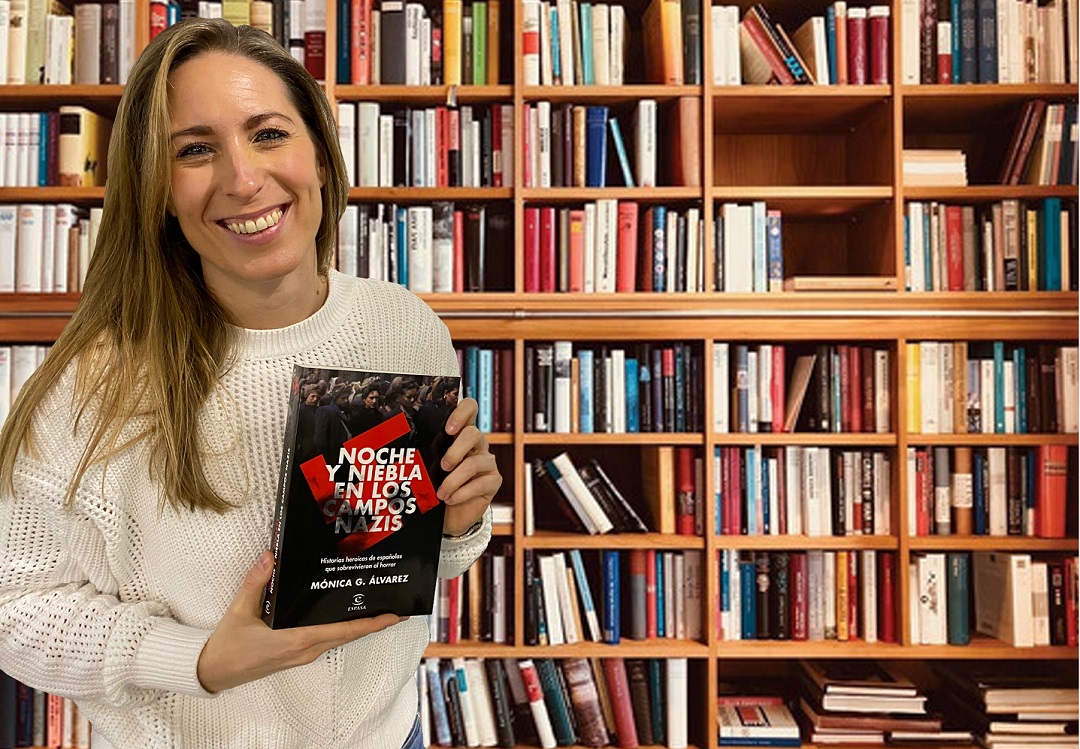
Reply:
x=839 y=500
x=631 y=519
x=764 y=581
x=475 y=247
x=645 y=394
x=499 y=269
x=567 y=519
x=358 y=526
x=638 y=676
x=392 y=42
x=780 y=595
x=501 y=701
x=607 y=503
x=531 y=622
x=558 y=708
x=452 y=697
x=8 y=699
x=524 y=725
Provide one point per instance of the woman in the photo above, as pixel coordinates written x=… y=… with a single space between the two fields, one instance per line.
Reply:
x=140 y=462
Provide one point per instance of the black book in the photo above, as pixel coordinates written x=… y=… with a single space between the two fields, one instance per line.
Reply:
x=530 y=389
x=8 y=699
x=485 y=149
x=453 y=148
x=764 y=581
x=531 y=625
x=475 y=247
x=607 y=503
x=682 y=381
x=600 y=386
x=392 y=41
x=867 y=459
x=402 y=145
x=780 y=595
x=638 y=676
x=645 y=395
x=24 y=715
x=669 y=371
x=524 y=726
x=487 y=594
x=695 y=421
x=452 y=698
x=499 y=267
x=691 y=17
x=544 y=374
x=839 y=500
x=630 y=516
x=656 y=363
x=502 y=702
x=358 y=526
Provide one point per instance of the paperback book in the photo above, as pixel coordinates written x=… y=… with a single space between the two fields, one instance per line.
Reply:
x=358 y=525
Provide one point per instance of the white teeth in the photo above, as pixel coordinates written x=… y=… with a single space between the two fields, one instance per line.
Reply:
x=259 y=224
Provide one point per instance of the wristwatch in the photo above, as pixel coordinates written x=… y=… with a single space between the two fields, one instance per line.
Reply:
x=473 y=529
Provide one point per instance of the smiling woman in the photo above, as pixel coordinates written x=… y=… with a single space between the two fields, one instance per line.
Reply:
x=138 y=466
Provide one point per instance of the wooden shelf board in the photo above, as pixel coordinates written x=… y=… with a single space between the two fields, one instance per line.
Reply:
x=989 y=193
x=1032 y=440
x=586 y=194
x=434 y=95
x=769 y=109
x=806 y=438
x=967 y=107
x=794 y=650
x=615 y=95
x=52 y=194
x=637 y=438
x=87 y=95
x=624 y=649
x=990 y=543
x=428 y=194
x=555 y=540
x=500 y=438
x=502 y=529
x=801 y=542
x=818 y=202
x=985 y=649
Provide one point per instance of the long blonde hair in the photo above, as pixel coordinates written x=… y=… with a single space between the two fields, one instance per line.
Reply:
x=148 y=339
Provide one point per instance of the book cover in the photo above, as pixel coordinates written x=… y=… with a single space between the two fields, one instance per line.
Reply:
x=358 y=526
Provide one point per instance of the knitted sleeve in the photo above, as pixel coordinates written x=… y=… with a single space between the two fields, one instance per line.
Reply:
x=63 y=626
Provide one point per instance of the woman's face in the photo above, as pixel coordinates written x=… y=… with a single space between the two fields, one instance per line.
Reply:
x=371 y=399
x=245 y=175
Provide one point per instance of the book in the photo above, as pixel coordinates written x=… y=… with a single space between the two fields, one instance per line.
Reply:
x=840 y=283
x=358 y=526
x=858 y=678
x=760 y=721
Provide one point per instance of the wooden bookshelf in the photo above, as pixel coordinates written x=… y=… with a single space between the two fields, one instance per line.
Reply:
x=828 y=157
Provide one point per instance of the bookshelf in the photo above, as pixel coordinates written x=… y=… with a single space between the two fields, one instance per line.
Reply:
x=829 y=158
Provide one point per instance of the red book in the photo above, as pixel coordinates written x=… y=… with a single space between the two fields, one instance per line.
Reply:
x=442 y=153
x=459 y=251
x=853 y=594
x=759 y=35
x=159 y=18
x=497 y=159
x=54 y=721
x=453 y=148
x=684 y=491
x=857 y=47
x=879 y=45
x=626 y=256
x=1070 y=601
x=577 y=250
x=315 y=53
x=944 y=52
x=735 y=466
x=618 y=687
x=800 y=597
x=547 y=249
x=650 y=593
x=644 y=263
x=887 y=597
x=868 y=402
x=776 y=390
x=360 y=38
x=923 y=481
x=855 y=382
x=532 y=249
x=845 y=387
x=1051 y=490
x=954 y=246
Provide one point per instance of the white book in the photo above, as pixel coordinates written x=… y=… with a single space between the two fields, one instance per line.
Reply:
x=211 y=9
x=1002 y=584
x=543 y=142
x=33 y=129
x=677 y=592
x=474 y=152
x=736 y=596
x=16 y=49
x=28 y=248
x=385 y=150
x=916 y=240
x=414 y=14
x=567 y=606
x=618 y=390
x=9 y=217
x=671 y=245
x=417 y=154
x=419 y=244
x=617 y=47
x=530 y=22
x=815 y=586
x=126 y=52
x=868 y=607
x=23 y=364
x=429 y=147
x=731 y=45
x=498 y=597
x=721 y=395
x=764 y=385
x=677 y=699
x=882 y=496
x=48 y=247
x=933 y=617
x=828 y=579
x=825 y=489
x=425 y=51
x=425 y=704
x=997 y=497
x=5 y=38
x=564 y=13
x=549 y=579
x=694 y=251
x=606 y=249
x=929 y=386
x=738 y=247
x=546 y=65
x=3 y=138
x=1040 y=604
x=601 y=35
x=347 y=132
x=1009 y=396
x=564 y=353
x=530 y=520
x=467 y=702
x=11 y=149
x=882 y=417
x=368 y=128
x=1069 y=373
x=442 y=246
x=909 y=41
x=5 y=382
x=645 y=144
x=719 y=58
x=811 y=491
x=850 y=474
x=589 y=280
x=26 y=164
x=793 y=489
x=773 y=467
x=914 y=610
x=609 y=398
x=986 y=394
x=507 y=123
x=66 y=221
x=541 y=719
x=482 y=704
x=346 y=242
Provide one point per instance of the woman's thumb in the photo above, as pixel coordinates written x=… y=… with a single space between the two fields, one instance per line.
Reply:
x=250 y=595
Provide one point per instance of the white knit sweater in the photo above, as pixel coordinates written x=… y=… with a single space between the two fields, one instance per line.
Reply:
x=110 y=603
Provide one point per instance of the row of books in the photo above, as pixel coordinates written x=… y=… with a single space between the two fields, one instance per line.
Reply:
x=749 y=247
x=66 y=147
x=1043 y=149
x=638 y=594
x=547 y=703
x=1010 y=245
x=1005 y=41
x=391 y=42
x=45 y=247
x=581 y=387
x=956 y=387
x=776 y=387
x=441 y=247
x=568 y=43
x=43 y=43
x=487 y=376
x=477 y=605
x=467 y=146
x=801 y=490
x=993 y=491
x=847 y=45
x=1017 y=599
x=614 y=246
x=17 y=363
x=33 y=718
x=812 y=595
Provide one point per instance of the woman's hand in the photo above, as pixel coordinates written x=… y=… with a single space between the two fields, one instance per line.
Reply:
x=242 y=648
x=474 y=478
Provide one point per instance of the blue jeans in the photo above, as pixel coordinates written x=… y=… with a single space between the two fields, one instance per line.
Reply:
x=415 y=739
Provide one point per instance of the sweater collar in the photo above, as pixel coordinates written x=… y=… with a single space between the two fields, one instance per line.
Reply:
x=293 y=339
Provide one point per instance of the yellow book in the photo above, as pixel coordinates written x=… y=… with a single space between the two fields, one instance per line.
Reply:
x=911 y=385
x=960 y=366
x=452 y=42
x=84 y=144
x=236 y=12
x=662 y=34
x=843 y=632
x=1033 y=249
x=658 y=485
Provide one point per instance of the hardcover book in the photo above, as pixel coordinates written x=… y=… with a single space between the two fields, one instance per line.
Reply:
x=358 y=526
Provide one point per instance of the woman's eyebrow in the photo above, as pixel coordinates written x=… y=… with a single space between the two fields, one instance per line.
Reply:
x=252 y=122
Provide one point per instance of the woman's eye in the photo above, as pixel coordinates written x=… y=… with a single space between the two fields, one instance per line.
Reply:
x=272 y=133
x=192 y=150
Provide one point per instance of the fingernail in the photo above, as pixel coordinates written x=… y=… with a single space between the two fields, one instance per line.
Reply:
x=441 y=494
x=265 y=560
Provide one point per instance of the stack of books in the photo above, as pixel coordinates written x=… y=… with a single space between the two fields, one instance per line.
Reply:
x=755 y=720
x=935 y=167
x=865 y=702
x=1011 y=708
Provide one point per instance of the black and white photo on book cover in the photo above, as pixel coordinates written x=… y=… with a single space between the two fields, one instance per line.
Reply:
x=358 y=524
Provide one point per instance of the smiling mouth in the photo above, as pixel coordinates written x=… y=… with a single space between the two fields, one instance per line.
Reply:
x=256 y=226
